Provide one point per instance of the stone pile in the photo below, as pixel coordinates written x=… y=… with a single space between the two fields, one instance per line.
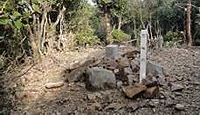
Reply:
x=120 y=72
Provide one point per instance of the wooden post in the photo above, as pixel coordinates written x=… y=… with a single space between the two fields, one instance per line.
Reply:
x=143 y=54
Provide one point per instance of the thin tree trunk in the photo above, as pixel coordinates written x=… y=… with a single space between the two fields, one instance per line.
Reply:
x=119 y=23
x=135 y=34
x=59 y=16
x=33 y=43
x=42 y=32
x=150 y=28
x=141 y=16
x=33 y=33
x=61 y=37
x=189 y=35
x=185 y=41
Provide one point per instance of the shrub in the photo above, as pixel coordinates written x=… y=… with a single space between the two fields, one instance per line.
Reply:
x=86 y=37
x=119 y=36
x=172 y=38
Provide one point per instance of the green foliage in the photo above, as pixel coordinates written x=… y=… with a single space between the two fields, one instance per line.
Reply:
x=83 y=25
x=102 y=2
x=95 y=20
x=119 y=36
x=86 y=37
x=85 y=21
x=168 y=15
x=172 y=38
x=16 y=24
x=120 y=8
x=13 y=19
x=13 y=23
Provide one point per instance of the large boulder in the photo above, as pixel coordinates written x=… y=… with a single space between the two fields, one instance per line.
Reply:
x=99 y=78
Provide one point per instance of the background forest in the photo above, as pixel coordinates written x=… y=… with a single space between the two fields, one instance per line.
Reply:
x=36 y=28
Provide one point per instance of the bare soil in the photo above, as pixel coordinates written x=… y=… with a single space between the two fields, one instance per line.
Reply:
x=28 y=95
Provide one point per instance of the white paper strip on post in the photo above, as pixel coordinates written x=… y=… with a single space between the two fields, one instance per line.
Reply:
x=143 y=54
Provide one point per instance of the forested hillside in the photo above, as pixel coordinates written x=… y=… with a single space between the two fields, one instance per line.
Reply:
x=36 y=27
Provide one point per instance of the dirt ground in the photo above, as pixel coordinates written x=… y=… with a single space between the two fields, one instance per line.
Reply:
x=27 y=95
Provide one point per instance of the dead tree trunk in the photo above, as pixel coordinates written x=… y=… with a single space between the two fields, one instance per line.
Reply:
x=188 y=23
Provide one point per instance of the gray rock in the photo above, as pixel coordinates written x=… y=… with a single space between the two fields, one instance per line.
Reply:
x=116 y=71
x=123 y=62
x=169 y=102
x=122 y=76
x=155 y=69
x=131 y=78
x=93 y=108
x=94 y=96
x=150 y=81
x=154 y=102
x=157 y=72
x=114 y=106
x=178 y=93
x=99 y=78
x=133 y=106
x=135 y=65
x=119 y=84
x=176 y=87
x=152 y=68
x=179 y=107
x=128 y=71
x=76 y=75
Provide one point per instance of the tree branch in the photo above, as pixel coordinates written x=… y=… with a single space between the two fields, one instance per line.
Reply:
x=59 y=17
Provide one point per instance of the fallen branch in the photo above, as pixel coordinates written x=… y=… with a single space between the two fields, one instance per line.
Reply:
x=54 y=85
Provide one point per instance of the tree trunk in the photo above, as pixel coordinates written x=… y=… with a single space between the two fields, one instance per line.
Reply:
x=135 y=34
x=188 y=23
x=150 y=27
x=108 y=28
x=34 y=46
x=42 y=32
x=119 y=22
x=185 y=40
